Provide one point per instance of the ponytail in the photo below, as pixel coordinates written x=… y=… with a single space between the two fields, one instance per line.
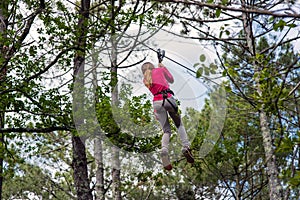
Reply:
x=147 y=71
x=148 y=78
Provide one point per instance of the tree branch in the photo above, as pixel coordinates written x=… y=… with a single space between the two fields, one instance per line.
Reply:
x=275 y=13
x=36 y=130
x=26 y=30
x=51 y=63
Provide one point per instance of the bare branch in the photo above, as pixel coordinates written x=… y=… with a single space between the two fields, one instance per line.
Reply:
x=277 y=13
x=51 y=63
x=35 y=130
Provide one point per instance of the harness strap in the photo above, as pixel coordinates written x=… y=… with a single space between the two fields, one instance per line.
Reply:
x=165 y=92
x=165 y=96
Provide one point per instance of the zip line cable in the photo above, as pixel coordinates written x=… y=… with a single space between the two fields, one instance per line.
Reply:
x=185 y=67
x=178 y=63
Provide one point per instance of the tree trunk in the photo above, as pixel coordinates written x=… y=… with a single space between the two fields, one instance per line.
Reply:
x=275 y=187
x=3 y=27
x=272 y=169
x=98 y=146
x=100 y=191
x=238 y=187
x=114 y=99
x=116 y=172
x=2 y=153
x=81 y=179
x=116 y=181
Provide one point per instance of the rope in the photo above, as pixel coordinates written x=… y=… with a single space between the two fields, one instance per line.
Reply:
x=183 y=66
x=178 y=63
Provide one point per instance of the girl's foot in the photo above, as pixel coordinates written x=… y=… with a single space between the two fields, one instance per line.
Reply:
x=166 y=161
x=188 y=154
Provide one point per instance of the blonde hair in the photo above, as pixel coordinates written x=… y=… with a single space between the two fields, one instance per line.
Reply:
x=147 y=71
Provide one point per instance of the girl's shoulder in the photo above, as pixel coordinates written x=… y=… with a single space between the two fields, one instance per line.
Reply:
x=160 y=69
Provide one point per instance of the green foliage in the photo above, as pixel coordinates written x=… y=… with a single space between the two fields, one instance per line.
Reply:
x=137 y=111
x=238 y=152
x=33 y=97
x=272 y=71
x=140 y=113
x=202 y=67
x=295 y=180
x=31 y=164
x=31 y=181
x=281 y=24
x=105 y=116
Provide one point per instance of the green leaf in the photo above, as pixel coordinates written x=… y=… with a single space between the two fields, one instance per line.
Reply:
x=199 y=72
x=213 y=66
x=232 y=72
x=279 y=25
x=224 y=73
x=221 y=33
x=292 y=25
x=295 y=181
x=206 y=70
x=202 y=57
x=218 y=12
x=224 y=2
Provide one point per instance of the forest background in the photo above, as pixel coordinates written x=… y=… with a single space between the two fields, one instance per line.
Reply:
x=60 y=65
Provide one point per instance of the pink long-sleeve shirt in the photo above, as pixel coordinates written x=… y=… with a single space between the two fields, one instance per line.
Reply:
x=161 y=77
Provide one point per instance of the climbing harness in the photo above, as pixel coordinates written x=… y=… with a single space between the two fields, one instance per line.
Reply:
x=165 y=97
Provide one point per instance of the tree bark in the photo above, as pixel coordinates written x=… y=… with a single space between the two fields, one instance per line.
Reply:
x=100 y=190
x=3 y=27
x=114 y=97
x=275 y=187
x=238 y=187
x=98 y=145
x=2 y=154
x=81 y=180
x=116 y=172
x=80 y=168
x=272 y=169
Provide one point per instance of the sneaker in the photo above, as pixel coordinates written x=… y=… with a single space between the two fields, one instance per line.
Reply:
x=188 y=155
x=166 y=161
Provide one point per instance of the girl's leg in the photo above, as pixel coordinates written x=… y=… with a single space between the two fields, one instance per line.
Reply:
x=177 y=121
x=162 y=116
x=180 y=127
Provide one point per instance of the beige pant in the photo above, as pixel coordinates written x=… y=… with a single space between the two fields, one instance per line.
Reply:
x=162 y=113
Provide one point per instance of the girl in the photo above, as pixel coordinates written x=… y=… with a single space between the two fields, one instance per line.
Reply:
x=157 y=81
